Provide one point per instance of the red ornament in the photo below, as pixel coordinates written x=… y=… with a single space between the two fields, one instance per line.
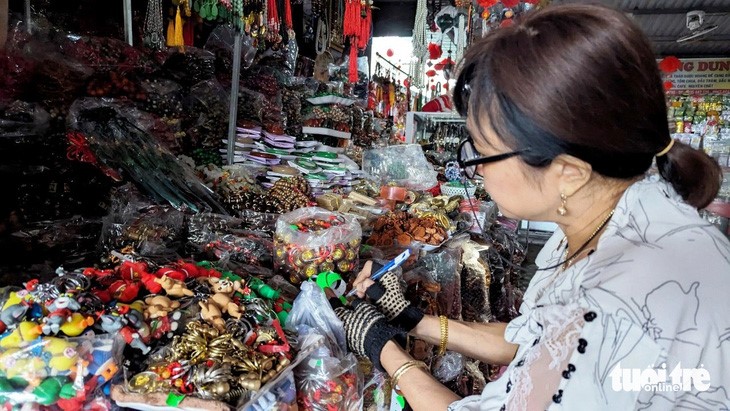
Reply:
x=510 y=3
x=506 y=23
x=445 y=86
x=445 y=63
x=431 y=73
x=389 y=53
x=433 y=87
x=434 y=51
x=668 y=85
x=670 y=64
x=406 y=83
x=487 y=3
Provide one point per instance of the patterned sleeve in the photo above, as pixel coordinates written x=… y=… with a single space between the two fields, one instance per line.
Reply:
x=578 y=362
x=569 y=363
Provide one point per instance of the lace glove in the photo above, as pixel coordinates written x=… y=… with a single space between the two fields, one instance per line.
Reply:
x=366 y=329
x=388 y=297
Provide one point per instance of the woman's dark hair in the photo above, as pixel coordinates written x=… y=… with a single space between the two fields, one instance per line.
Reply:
x=580 y=80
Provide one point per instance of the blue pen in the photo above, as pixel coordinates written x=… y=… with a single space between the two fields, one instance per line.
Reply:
x=390 y=266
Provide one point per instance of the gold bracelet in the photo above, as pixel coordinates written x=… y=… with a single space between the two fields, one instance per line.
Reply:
x=444 y=322
x=403 y=369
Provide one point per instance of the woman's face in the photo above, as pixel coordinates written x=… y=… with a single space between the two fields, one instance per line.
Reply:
x=513 y=185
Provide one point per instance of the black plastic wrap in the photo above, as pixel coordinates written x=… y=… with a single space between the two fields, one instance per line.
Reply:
x=37 y=249
x=121 y=144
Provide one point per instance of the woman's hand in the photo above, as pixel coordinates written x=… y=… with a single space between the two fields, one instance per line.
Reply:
x=366 y=329
x=363 y=281
x=387 y=295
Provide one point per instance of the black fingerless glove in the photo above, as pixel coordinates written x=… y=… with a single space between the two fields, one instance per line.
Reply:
x=366 y=329
x=388 y=297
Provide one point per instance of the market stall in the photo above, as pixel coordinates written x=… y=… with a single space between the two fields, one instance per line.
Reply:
x=177 y=212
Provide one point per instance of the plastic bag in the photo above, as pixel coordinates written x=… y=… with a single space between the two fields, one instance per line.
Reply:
x=221 y=238
x=119 y=143
x=328 y=377
x=312 y=311
x=190 y=67
x=149 y=230
x=210 y=101
x=221 y=42
x=405 y=165
x=52 y=371
x=325 y=381
x=20 y=118
x=312 y=240
x=377 y=390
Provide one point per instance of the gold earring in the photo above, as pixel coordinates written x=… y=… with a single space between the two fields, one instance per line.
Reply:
x=563 y=209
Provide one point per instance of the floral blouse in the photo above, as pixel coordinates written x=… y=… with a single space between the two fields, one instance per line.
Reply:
x=642 y=323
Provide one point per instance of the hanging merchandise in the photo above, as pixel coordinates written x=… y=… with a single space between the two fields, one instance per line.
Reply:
x=175 y=31
x=356 y=25
x=153 y=36
x=434 y=51
x=419 y=43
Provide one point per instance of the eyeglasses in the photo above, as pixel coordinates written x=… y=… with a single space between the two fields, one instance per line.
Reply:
x=469 y=158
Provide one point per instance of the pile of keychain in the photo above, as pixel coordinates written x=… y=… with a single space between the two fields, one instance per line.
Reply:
x=188 y=329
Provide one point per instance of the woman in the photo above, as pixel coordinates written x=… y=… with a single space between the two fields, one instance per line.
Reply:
x=566 y=113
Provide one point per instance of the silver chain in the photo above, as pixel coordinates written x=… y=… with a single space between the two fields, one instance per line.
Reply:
x=153 y=36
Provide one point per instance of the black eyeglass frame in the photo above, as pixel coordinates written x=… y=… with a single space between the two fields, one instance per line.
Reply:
x=465 y=164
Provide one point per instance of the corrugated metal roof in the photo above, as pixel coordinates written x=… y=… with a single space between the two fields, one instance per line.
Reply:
x=665 y=20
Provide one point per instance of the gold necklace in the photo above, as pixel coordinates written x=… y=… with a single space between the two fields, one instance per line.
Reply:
x=569 y=260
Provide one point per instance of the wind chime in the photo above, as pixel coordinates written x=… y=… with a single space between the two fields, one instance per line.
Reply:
x=356 y=27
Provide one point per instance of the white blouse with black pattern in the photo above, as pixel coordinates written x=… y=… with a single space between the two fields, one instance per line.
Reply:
x=642 y=323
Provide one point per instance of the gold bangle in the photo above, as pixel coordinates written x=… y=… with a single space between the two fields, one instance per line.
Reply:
x=403 y=369
x=444 y=323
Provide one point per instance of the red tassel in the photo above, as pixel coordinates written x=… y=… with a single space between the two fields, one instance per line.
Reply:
x=364 y=37
x=352 y=71
x=287 y=15
x=188 y=31
x=273 y=13
x=351 y=23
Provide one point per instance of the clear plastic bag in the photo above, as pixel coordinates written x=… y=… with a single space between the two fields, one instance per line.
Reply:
x=377 y=390
x=328 y=377
x=405 y=165
x=210 y=126
x=311 y=312
x=325 y=381
x=63 y=372
x=222 y=238
x=151 y=231
x=312 y=240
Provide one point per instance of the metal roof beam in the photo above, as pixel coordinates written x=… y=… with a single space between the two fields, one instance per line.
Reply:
x=653 y=12
x=670 y=39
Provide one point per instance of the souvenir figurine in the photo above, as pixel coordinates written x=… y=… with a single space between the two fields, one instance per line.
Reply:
x=76 y=324
x=174 y=287
x=60 y=311
x=25 y=332
x=159 y=306
x=63 y=352
x=12 y=316
x=220 y=302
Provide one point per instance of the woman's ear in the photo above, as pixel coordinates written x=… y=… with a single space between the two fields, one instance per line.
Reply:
x=570 y=173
